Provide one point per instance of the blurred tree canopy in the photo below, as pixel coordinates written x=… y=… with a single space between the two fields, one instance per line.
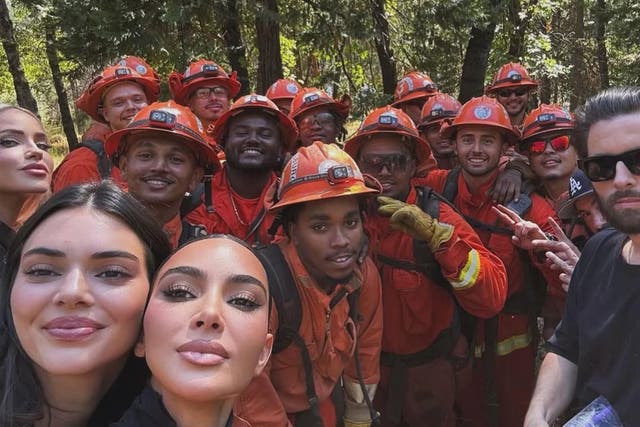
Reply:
x=573 y=47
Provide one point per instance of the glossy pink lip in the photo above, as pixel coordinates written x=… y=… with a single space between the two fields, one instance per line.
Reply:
x=203 y=353
x=72 y=328
x=36 y=168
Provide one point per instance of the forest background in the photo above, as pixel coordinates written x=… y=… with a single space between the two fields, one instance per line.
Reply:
x=574 y=48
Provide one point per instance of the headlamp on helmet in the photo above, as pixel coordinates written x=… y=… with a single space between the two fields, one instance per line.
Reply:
x=120 y=72
x=311 y=98
x=162 y=119
x=515 y=78
x=336 y=174
x=388 y=119
x=210 y=69
x=546 y=119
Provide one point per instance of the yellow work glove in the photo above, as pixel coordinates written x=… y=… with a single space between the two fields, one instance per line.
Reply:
x=415 y=222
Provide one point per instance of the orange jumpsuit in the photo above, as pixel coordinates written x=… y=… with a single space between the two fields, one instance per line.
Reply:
x=506 y=371
x=418 y=311
x=81 y=165
x=234 y=214
x=279 y=392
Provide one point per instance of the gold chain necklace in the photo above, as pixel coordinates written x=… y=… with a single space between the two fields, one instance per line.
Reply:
x=235 y=208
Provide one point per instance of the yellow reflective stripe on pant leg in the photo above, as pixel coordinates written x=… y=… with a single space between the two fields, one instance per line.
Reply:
x=507 y=346
x=469 y=273
x=513 y=343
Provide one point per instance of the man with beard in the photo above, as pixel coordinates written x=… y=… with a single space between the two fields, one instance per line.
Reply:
x=206 y=89
x=512 y=86
x=325 y=373
x=162 y=155
x=594 y=351
x=505 y=346
x=421 y=318
x=255 y=136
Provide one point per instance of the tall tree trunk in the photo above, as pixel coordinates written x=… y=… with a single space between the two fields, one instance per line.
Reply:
x=63 y=100
x=23 y=91
x=233 y=42
x=382 y=41
x=519 y=20
x=577 y=74
x=476 y=58
x=600 y=13
x=268 y=42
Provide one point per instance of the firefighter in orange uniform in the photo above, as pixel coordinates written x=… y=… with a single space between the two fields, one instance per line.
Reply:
x=206 y=88
x=162 y=155
x=255 y=136
x=282 y=93
x=505 y=346
x=435 y=111
x=421 y=322
x=112 y=99
x=319 y=117
x=321 y=199
x=512 y=86
x=412 y=91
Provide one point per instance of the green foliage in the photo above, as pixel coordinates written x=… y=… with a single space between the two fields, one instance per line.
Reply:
x=324 y=43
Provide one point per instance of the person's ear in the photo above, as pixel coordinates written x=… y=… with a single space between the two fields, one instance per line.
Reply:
x=122 y=165
x=196 y=178
x=264 y=355
x=139 y=349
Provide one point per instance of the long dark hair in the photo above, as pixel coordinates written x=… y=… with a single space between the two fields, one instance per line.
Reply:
x=21 y=397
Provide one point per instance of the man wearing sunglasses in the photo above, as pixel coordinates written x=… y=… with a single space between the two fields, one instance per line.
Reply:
x=420 y=329
x=512 y=87
x=594 y=351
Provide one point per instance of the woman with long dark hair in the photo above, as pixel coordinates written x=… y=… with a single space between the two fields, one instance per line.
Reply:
x=72 y=297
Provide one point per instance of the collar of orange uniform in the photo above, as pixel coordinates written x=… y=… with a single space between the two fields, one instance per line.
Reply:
x=483 y=192
x=303 y=276
x=173 y=229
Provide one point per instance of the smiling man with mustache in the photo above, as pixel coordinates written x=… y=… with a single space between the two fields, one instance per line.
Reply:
x=162 y=155
x=595 y=349
x=255 y=136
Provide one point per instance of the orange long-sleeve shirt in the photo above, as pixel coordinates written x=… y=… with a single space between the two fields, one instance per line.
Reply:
x=416 y=308
x=329 y=335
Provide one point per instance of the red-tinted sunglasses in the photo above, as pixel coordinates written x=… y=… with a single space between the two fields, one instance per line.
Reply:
x=558 y=143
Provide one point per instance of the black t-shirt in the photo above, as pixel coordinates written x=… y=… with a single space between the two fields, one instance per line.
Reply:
x=599 y=331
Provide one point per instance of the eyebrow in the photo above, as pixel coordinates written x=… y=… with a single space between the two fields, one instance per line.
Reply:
x=186 y=270
x=246 y=279
x=98 y=255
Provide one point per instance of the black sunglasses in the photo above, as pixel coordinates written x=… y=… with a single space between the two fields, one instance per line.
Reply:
x=373 y=163
x=505 y=93
x=603 y=168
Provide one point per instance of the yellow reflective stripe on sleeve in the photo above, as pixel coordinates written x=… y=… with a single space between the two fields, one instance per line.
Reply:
x=469 y=273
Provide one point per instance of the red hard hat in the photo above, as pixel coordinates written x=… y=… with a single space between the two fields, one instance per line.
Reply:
x=438 y=108
x=283 y=89
x=310 y=98
x=319 y=171
x=201 y=73
x=260 y=103
x=388 y=120
x=415 y=85
x=511 y=75
x=140 y=66
x=166 y=118
x=91 y=99
x=483 y=111
x=547 y=119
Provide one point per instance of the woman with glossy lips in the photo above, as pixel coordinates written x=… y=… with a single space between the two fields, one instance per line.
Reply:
x=205 y=335
x=73 y=294
x=25 y=169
